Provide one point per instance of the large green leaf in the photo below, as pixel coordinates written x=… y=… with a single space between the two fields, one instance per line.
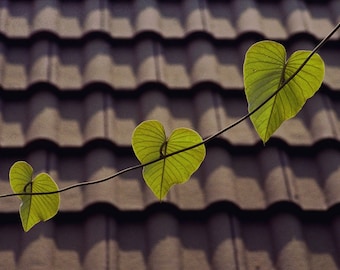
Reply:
x=150 y=143
x=265 y=70
x=33 y=208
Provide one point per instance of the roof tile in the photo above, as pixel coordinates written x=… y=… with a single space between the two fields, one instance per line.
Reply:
x=127 y=66
x=126 y=19
x=102 y=242
x=70 y=122
x=249 y=181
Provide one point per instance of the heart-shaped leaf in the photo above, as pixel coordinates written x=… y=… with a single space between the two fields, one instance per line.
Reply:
x=265 y=70
x=150 y=143
x=33 y=208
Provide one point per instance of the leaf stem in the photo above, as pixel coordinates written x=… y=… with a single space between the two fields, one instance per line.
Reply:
x=206 y=140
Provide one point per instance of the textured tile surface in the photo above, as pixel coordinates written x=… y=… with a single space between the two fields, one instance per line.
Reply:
x=99 y=115
x=251 y=180
x=126 y=65
x=169 y=19
x=165 y=240
x=76 y=77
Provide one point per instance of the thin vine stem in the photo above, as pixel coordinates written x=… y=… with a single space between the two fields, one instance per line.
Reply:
x=204 y=141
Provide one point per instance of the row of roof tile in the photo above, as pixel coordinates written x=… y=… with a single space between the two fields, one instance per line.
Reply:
x=127 y=66
x=98 y=115
x=171 y=19
x=252 y=180
x=163 y=241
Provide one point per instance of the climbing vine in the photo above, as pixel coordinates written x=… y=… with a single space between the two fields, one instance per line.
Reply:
x=276 y=89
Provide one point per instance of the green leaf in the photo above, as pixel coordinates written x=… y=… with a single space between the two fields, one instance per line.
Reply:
x=33 y=208
x=265 y=70
x=150 y=143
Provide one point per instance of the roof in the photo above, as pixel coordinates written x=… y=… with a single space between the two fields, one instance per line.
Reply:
x=78 y=76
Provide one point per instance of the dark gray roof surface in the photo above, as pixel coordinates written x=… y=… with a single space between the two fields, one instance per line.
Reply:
x=76 y=77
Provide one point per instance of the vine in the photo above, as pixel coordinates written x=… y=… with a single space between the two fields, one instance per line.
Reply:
x=172 y=160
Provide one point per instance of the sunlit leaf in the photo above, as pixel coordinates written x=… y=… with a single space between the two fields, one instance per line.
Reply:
x=265 y=69
x=33 y=208
x=149 y=143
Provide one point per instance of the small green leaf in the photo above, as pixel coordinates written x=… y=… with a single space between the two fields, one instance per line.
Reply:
x=149 y=143
x=265 y=70
x=33 y=208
